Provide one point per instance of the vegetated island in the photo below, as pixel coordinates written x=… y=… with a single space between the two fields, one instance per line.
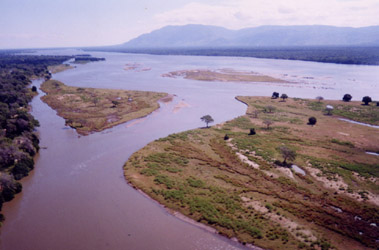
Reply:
x=86 y=58
x=237 y=178
x=222 y=75
x=92 y=110
x=18 y=141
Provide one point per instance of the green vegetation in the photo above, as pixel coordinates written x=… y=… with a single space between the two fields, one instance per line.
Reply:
x=86 y=58
x=349 y=110
x=327 y=54
x=88 y=110
x=18 y=142
x=237 y=187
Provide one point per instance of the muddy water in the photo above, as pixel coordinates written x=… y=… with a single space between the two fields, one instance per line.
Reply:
x=77 y=198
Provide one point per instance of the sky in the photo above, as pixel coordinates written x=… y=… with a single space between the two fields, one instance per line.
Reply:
x=74 y=23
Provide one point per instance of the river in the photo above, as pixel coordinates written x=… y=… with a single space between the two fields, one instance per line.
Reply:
x=77 y=197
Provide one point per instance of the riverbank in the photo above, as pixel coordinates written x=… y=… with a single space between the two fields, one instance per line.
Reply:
x=92 y=110
x=240 y=187
x=19 y=143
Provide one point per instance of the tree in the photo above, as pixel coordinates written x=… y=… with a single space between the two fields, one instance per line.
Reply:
x=268 y=122
x=252 y=131
x=287 y=154
x=366 y=100
x=275 y=95
x=34 y=89
x=284 y=96
x=319 y=98
x=312 y=120
x=207 y=119
x=347 y=98
x=226 y=137
x=329 y=109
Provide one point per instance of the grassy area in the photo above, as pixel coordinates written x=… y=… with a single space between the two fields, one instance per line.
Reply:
x=239 y=187
x=223 y=75
x=349 y=110
x=89 y=110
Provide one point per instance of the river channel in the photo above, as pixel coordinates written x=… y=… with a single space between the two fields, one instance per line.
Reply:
x=77 y=197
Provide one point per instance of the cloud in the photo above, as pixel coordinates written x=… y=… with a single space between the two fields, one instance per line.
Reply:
x=239 y=14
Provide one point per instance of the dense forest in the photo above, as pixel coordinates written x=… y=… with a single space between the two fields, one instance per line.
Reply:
x=341 y=55
x=18 y=141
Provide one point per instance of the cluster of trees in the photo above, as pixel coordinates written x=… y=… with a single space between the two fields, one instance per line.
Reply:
x=366 y=99
x=87 y=58
x=275 y=95
x=328 y=54
x=18 y=142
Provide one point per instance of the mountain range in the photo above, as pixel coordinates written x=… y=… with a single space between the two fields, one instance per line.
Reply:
x=195 y=35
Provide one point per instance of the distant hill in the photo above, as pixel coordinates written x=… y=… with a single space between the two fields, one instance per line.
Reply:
x=194 y=35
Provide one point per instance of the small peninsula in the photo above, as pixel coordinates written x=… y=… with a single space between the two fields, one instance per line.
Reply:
x=92 y=110
x=223 y=75
x=273 y=178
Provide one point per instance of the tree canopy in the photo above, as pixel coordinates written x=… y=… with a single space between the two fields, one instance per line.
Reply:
x=207 y=119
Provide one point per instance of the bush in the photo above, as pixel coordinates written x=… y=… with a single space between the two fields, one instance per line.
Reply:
x=347 y=98
x=252 y=131
x=319 y=98
x=312 y=120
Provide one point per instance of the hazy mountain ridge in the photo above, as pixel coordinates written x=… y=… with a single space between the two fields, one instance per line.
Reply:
x=193 y=35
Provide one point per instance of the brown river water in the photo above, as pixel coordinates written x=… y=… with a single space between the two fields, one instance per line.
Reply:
x=77 y=197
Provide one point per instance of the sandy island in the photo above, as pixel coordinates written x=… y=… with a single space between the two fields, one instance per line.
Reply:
x=223 y=75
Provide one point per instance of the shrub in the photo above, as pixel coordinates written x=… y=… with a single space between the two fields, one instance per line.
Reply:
x=252 y=131
x=312 y=120
x=269 y=109
x=347 y=98
x=319 y=98
x=268 y=123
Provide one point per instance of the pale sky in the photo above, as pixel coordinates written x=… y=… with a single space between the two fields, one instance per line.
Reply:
x=67 y=23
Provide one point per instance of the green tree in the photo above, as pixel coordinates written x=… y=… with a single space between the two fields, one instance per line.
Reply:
x=347 y=98
x=287 y=154
x=207 y=119
x=284 y=97
x=366 y=100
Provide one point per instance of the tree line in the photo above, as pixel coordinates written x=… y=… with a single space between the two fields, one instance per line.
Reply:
x=18 y=141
